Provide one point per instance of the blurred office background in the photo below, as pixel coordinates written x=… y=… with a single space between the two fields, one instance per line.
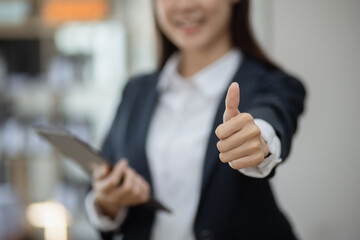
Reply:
x=64 y=63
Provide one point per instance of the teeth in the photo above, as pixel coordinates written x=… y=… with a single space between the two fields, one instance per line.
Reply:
x=190 y=24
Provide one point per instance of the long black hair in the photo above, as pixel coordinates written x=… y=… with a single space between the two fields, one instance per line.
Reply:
x=241 y=35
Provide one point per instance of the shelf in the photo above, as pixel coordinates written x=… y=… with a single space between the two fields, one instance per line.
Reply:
x=30 y=29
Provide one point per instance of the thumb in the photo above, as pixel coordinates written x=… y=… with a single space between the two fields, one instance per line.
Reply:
x=232 y=102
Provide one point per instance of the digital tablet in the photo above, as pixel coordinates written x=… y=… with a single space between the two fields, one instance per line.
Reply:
x=82 y=153
x=72 y=147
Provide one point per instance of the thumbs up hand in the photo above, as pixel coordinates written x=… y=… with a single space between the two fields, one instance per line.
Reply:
x=241 y=144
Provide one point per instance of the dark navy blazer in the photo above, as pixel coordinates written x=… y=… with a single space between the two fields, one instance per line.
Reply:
x=232 y=205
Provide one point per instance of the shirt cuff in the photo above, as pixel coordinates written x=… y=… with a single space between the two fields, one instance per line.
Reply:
x=274 y=146
x=98 y=219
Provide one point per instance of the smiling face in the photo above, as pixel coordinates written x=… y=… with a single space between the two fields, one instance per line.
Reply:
x=194 y=25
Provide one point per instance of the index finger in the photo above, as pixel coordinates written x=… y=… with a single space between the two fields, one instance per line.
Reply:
x=228 y=128
x=114 y=179
x=101 y=172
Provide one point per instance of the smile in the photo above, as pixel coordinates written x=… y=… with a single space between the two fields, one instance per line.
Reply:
x=190 y=27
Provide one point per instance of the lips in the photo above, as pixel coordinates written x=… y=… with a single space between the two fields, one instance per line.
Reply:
x=190 y=27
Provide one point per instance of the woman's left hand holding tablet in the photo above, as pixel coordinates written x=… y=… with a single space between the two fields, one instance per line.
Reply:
x=118 y=188
x=240 y=142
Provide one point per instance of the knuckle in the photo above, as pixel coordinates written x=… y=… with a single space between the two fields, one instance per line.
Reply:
x=127 y=189
x=220 y=146
x=253 y=131
x=113 y=182
x=231 y=164
x=135 y=199
x=219 y=132
x=238 y=119
x=112 y=198
x=222 y=157
x=253 y=147
x=115 y=199
x=260 y=155
x=256 y=130
x=147 y=187
x=130 y=171
x=137 y=192
x=247 y=117
x=258 y=159
x=234 y=165
x=143 y=197
x=143 y=182
x=257 y=146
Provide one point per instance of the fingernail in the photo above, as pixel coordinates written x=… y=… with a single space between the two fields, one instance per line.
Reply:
x=122 y=162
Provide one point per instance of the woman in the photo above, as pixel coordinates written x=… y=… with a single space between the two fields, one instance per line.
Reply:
x=171 y=126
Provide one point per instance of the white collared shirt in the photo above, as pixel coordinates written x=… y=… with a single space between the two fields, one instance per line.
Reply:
x=177 y=141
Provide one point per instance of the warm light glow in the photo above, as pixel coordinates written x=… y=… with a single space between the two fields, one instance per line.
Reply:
x=59 y=11
x=51 y=216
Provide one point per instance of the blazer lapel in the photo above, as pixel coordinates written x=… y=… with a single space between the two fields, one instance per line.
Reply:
x=140 y=125
x=244 y=77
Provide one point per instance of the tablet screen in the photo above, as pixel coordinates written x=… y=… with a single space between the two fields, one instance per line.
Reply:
x=72 y=147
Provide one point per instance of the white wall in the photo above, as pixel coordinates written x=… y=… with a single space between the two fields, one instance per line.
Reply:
x=319 y=185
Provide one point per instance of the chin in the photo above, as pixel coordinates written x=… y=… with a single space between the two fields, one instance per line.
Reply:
x=192 y=45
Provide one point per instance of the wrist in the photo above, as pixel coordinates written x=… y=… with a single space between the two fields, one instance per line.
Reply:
x=106 y=208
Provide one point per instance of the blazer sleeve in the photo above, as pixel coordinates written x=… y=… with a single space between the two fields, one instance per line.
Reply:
x=279 y=101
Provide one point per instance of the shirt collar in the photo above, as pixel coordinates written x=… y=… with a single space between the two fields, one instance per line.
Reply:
x=211 y=80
